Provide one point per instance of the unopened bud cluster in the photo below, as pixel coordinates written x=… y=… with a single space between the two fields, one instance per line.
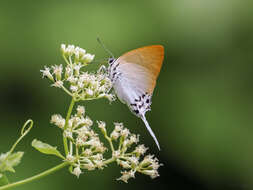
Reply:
x=75 y=82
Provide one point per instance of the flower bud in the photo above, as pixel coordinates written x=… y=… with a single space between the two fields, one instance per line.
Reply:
x=80 y=110
x=63 y=48
x=114 y=135
x=46 y=73
x=77 y=171
x=101 y=125
x=87 y=58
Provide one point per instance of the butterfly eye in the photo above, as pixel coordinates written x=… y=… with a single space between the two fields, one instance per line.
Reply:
x=111 y=60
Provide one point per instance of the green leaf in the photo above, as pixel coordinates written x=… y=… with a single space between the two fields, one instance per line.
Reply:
x=3 y=180
x=10 y=160
x=14 y=159
x=46 y=148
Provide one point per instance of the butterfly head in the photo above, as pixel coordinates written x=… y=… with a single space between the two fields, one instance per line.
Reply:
x=111 y=60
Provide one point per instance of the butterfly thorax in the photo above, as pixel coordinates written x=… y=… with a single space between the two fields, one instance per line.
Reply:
x=113 y=72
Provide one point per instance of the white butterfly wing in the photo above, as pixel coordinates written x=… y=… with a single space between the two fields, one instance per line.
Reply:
x=137 y=76
x=139 y=70
x=129 y=90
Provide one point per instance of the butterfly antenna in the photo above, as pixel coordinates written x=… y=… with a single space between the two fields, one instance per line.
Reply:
x=103 y=46
x=150 y=131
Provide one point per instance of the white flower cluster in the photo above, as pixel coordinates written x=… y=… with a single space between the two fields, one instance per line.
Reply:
x=131 y=161
x=79 y=54
x=75 y=82
x=88 y=149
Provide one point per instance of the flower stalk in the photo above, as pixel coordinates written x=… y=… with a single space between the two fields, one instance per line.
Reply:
x=65 y=143
x=36 y=177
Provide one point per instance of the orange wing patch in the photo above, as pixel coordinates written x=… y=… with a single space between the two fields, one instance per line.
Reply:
x=149 y=57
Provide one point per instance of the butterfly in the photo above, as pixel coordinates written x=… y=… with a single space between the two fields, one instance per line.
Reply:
x=134 y=76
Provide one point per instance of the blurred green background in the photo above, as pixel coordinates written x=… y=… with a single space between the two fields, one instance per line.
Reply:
x=202 y=105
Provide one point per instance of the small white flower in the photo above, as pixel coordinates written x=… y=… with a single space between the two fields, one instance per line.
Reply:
x=77 y=171
x=68 y=134
x=46 y=73
x=118 y=127
x=126 y=175
x=77 y=68
x=72 y=79
x=89 y=92
x=58 y=120
x=87 y=122
x=152 y=173
x=70 y=158
x=55 y=118
x=116 y=154
x=124 y=164
x=87 y=58
x=134 y=160
x=68 y=71
x=141 y=149
x=147 y=160
x=101 y=148
x=80 y=110
x=99 y=164
x=70 y=50
x=155 y=165
x=150 y=161
x=114 y=135
x=101 y=125
x=87 y=152
x=102 y=89
x=98 y=157
x=125 y=132
x=82 y=51
x=58 y=84
x=57 y=69
x=76 y=52
x=134 y=139
x=94 y=84
x=94 y=142
x=80 y=84
x=89 y=166
x=85 y=78
x=63 y=48
x=80 y=141
x=73 y=88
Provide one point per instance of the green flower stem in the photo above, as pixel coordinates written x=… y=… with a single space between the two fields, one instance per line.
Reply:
x=65 y=59
x=107 y=161
x=66 y=90
x=66 y=125
x=36 y=177
x=110 y=142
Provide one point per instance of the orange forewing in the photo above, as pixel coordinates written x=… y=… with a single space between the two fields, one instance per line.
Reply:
x=150 y=57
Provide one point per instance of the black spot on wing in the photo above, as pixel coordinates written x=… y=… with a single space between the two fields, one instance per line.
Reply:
x=136 y=111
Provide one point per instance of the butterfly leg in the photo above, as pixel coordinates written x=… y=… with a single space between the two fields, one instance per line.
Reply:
x=103 y=69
